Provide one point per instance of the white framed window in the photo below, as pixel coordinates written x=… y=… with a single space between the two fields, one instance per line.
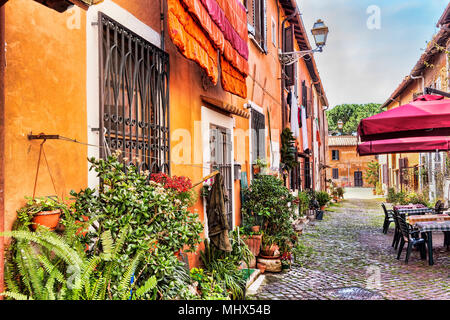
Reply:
x=130 y=22
x=218 y=148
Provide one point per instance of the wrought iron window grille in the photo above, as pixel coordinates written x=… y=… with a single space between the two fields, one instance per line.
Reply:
x=134 y=97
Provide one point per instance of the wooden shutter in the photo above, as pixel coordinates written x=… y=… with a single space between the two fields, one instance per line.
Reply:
x=258 y=135
x=264 y=25
x=251 y=16
x=257 y=20
x=310 y=102
x=305 y=97
x=335 y=173
x=288 y=46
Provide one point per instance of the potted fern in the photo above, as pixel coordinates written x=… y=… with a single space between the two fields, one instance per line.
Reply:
x=43 y=211
x=323 y=198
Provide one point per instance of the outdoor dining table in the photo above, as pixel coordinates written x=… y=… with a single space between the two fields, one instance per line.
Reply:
x=412 y=220
x=415 y=211
x=429 y=227
x=409 y=206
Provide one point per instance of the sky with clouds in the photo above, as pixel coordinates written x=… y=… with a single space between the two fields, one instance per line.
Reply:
x=361 y=65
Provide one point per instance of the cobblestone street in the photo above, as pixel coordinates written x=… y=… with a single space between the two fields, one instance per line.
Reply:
x=346 y=253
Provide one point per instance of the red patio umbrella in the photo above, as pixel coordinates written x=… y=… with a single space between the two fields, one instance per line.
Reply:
x=404 y=145
x=427 y=115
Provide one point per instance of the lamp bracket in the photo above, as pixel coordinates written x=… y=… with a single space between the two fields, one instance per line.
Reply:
x=288 y=58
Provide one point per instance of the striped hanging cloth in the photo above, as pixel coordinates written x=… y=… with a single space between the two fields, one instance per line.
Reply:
x=201 y=28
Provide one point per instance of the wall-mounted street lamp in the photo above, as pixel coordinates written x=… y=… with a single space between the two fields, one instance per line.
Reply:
x=340 y=124
x=320 y=33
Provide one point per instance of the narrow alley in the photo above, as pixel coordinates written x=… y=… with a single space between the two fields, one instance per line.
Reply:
x=346 y=256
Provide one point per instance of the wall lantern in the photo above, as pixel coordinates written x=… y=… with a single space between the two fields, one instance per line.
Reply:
x=320 y=33
x=340 y=124
x=237 y=171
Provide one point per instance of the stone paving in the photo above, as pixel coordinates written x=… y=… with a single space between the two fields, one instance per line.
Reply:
x=348 y=250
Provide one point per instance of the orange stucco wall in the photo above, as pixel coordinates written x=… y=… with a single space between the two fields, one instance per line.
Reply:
x=349 y=162
x=45 y=85
x=45 y=92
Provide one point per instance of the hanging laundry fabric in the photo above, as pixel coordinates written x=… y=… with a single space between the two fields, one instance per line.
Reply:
x=200 y=28
x=304 y=130
x=289 y=102
x=217 y=218
x=300 y=117
x=294 y=117
x=318 y=133
x=191 y=40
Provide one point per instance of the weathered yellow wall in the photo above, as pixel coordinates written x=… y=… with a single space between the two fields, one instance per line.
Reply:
x=45 y=85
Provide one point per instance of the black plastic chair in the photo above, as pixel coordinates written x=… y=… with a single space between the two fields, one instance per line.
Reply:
x=410 y=237
x=439 y=207
x=388 y=218
x=447 y=239
x=397 y=233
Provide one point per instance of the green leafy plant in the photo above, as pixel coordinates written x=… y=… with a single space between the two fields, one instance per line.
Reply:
x=323 y=198
x=223 y=268
x=351 y=115
x=391 y=196
x=44 y=266
x=261 y=163
x=372 y=174
x=158 y=216
x=36 y=205
x=379 y=189
x=415 y=198
x=270 y=205
x=303 y=200
x=340 y=192
x=288 y=150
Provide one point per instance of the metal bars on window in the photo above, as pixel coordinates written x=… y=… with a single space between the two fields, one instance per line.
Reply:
x=307 y=174
x=221 y=153
x=258 y=135
x=134 y=97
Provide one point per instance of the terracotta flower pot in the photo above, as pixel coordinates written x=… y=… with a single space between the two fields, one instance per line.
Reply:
x=256 y=228
x=261 y=267
x=49 y=219
x=269 y=251
x=322 y=208
x=254 y=244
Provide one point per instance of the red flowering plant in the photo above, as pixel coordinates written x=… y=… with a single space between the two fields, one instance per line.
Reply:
x=180 y=186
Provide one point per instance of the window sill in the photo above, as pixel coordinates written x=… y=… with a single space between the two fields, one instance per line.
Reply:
x=252 y=38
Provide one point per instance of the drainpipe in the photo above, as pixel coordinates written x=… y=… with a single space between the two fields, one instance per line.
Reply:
x=283 y=102
x=162 y=6
x=423 y=81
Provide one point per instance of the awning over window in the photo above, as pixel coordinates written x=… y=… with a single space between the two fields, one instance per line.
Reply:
x=201 y=28
x=228 y=108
